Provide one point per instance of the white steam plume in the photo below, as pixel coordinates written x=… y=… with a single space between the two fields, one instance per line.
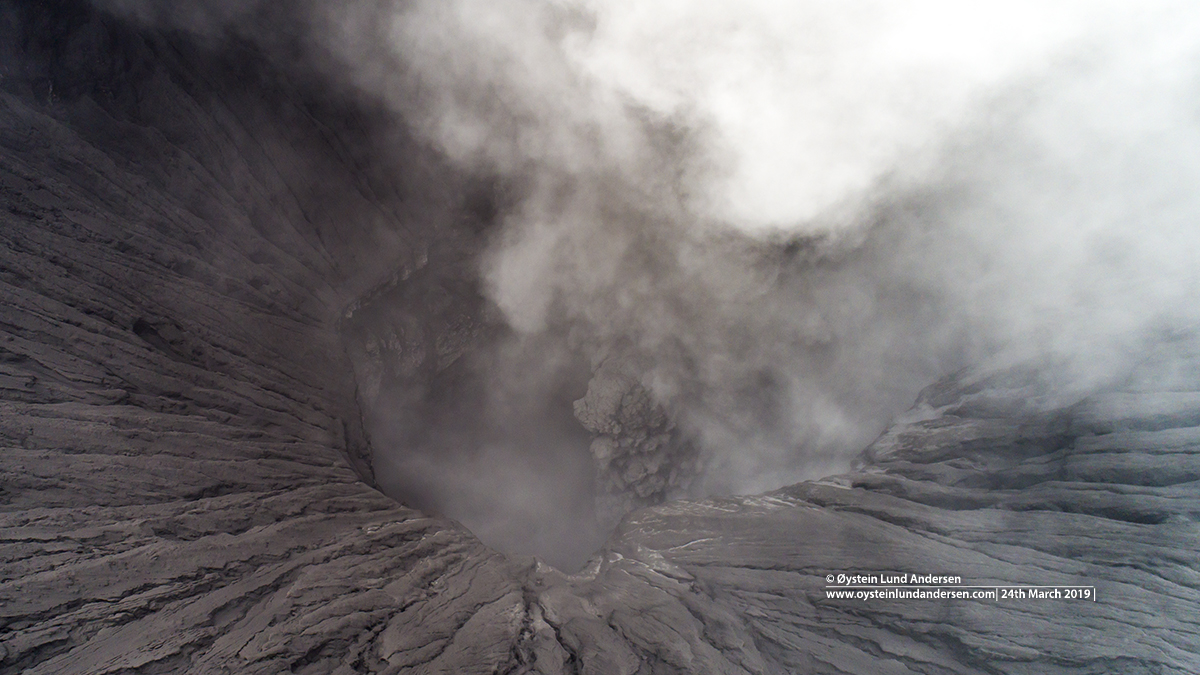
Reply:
x=970 y=177
x=791 y=216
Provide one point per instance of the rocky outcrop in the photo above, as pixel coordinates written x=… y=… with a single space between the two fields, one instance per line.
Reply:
x=186 y=485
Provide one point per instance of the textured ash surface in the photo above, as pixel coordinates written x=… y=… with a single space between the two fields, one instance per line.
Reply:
x=176 y=414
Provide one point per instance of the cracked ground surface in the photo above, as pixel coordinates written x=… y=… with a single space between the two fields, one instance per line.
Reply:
x=185 y=485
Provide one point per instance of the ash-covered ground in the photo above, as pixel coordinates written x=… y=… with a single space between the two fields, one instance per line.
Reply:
x=589 y=338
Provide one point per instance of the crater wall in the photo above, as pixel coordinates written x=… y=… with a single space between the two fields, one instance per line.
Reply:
x=185 y=485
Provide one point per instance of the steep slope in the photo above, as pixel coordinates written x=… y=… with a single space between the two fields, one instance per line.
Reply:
x=178 y=411
x=185 y=481
x=989 y=480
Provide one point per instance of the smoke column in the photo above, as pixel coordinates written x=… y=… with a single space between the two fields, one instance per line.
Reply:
x=792 y=216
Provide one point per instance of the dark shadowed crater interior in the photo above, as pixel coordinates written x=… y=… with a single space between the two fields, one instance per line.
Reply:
x=511 y=462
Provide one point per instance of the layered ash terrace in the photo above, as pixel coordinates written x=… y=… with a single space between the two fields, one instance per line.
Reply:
x=185 y=478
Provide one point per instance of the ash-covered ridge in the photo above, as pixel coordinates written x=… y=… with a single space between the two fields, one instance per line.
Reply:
x=186 y=484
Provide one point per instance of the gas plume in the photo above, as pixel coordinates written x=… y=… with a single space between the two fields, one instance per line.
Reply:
x=788 y=217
